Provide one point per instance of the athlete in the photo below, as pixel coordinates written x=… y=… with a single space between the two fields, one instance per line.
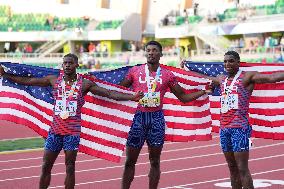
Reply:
x=149 y=123
x=235 y=131
x=69 y=90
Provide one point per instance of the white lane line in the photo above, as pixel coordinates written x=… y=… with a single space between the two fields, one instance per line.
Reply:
x=144 y=163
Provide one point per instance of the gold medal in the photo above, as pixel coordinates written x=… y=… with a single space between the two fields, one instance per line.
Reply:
x=64 y=115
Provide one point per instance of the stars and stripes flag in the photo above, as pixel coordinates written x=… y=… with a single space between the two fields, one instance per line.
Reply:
x=266 y=110
x=105 y=122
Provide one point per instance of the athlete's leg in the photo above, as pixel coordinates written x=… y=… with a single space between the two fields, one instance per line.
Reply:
x=129 y=167
x=242 y=162
x=227 y=148
x=155 y=171
x=49 y=158
x=70 y=146
x=234 y=171
x=241 y=147
x=135 y=141
x=53 y=145
x=70 y=159
x=155 y=141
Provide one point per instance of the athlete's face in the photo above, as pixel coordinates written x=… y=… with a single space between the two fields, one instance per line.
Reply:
x=231 y=64
x=69 y=65
x=153 y=54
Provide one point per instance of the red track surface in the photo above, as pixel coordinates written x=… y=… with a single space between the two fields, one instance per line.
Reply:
x=192 y=165
x=9 y=130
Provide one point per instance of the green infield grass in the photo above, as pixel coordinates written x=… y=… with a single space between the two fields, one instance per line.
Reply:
x=21 y=144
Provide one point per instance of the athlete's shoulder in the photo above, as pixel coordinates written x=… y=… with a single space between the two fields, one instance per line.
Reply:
x=249 y=74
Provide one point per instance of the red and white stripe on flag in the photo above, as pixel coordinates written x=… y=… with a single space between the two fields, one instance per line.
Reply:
x=266 y=110
x=187 y=121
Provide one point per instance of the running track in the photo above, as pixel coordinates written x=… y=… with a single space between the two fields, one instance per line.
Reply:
x=192 y=165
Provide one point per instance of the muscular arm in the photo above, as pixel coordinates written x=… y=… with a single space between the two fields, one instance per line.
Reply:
x=178 y=91
x=256 y=77
x=97 y=90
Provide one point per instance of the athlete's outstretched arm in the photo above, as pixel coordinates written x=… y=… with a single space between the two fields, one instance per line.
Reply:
x=44 y=82
x=183 y=97
x=266 y=78
x=97 y=90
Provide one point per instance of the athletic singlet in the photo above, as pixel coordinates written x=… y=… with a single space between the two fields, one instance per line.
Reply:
x=72 y=124
x=236 y=117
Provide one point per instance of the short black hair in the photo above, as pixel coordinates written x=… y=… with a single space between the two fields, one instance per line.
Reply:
x=75 y=57
x=234 y=54
x=154 y=43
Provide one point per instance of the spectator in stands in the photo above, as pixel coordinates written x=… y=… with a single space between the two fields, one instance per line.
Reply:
x=105 y=50
x=28 y=48
x=46 y=22
x=184 y=14
x=81 y=48
x=251 y=47
x=98 y=50
x=241 y=43
x=98 y=65
x=267 y=43
x=195 y=9
x=91 y=47
x=166 y=20
x=189 y=50
x=182 y=51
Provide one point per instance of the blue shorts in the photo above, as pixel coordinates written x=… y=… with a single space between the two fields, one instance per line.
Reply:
x=149 y=126
x=56 y=143
x=235 y=139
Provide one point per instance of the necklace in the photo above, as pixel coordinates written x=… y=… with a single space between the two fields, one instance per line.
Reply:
x=70 y=81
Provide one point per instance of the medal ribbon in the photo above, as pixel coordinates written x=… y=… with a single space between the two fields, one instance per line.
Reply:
x=152 y=85
x=66 y=98
x=229 y=89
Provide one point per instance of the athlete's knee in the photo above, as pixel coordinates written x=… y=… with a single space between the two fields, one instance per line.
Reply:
x=243 y=170
x=232 y=165
x=130 y=163
x=155 y=162
x=46 y=167
x=70 y=167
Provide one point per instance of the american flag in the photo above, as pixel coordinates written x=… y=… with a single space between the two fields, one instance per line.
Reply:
x=105 y=122
x=266 y=109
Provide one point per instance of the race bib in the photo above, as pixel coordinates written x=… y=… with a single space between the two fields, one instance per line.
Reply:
x=151 y=100
x=229 y=102
x=71 y=107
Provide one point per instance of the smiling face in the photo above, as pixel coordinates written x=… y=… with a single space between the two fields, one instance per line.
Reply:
x=231 y=64
x=69 y=65
x=153 y=54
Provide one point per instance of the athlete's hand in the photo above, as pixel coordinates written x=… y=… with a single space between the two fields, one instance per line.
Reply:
x=2 y=72
x=138 y=95
x=209 y=88
x=182 y=63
